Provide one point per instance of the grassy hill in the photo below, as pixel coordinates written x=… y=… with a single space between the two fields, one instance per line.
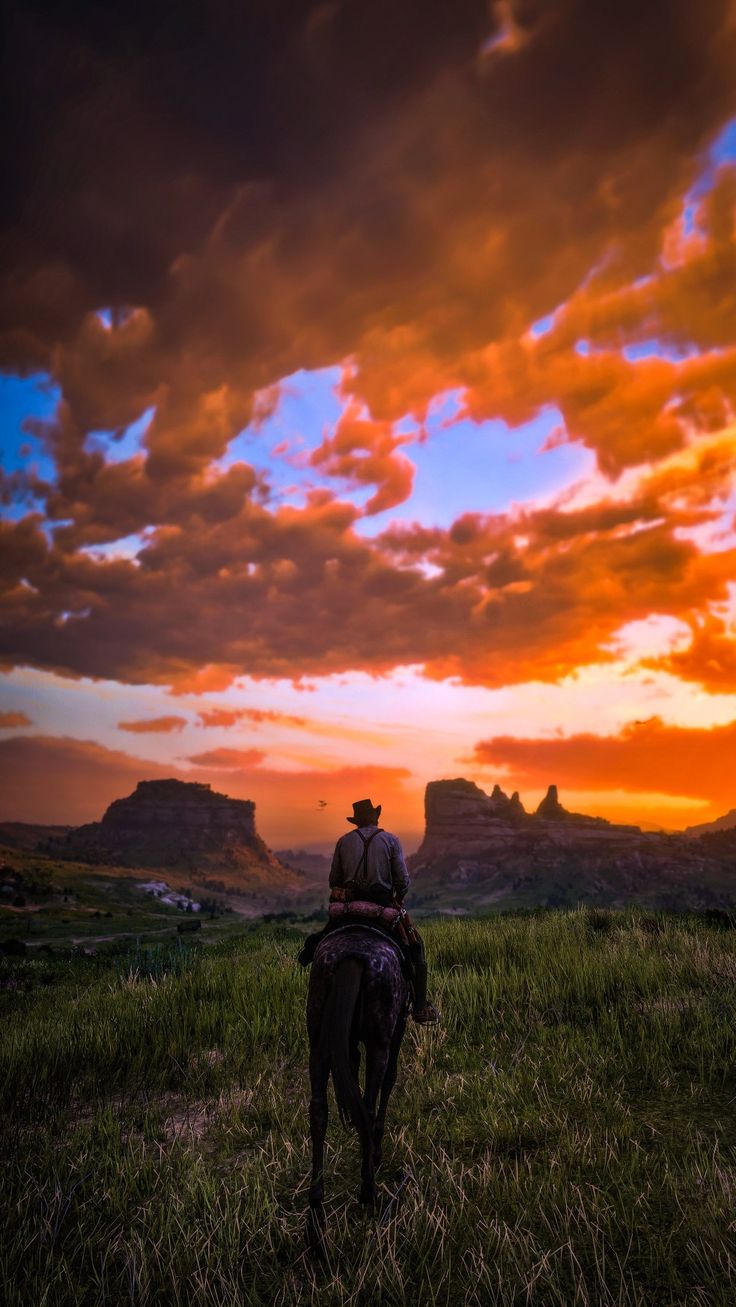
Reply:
x=567 y=1136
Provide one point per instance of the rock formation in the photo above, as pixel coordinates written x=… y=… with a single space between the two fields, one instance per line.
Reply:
x=502 y=854
x=516 y=807
x=178 y=825
x=550 y=807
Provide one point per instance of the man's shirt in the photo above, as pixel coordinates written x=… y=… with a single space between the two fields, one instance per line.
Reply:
x=382 y=868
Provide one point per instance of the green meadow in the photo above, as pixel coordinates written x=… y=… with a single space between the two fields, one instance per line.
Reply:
x=567 y=1136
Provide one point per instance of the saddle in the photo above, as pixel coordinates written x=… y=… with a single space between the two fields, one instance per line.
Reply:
x=346 y=925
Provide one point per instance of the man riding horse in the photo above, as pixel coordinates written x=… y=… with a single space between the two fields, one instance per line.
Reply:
x=369 y=872
x=364 y=961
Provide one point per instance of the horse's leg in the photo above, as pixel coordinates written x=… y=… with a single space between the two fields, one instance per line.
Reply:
x=355 y=1060
x=389 y=1080
x=319 y=1073
x=376 y=1062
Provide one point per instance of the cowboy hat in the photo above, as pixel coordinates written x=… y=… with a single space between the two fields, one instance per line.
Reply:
x=364 y=813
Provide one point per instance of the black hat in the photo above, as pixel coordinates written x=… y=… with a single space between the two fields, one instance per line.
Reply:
x=364 y=813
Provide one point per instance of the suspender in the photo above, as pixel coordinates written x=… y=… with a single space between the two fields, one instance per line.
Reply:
x=358 y=878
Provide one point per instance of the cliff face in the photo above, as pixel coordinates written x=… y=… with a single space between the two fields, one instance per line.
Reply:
x=500 y=852
x=178 y=825
x=178 y=814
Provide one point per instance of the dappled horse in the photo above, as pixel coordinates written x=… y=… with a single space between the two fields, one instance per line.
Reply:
x=357 y=995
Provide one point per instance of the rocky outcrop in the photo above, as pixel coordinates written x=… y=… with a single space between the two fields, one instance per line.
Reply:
x=492 y=846
x=177 y=825
x=550 y=806
x=516 y=807
x=462 y=819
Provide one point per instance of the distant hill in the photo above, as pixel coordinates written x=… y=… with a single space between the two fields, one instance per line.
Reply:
x=481 y=850
x=23 y=835
x=182 y=826
x=315 y=866
x=726 y=822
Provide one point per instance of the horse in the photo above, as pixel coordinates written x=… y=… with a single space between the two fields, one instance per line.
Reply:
x=357 y=995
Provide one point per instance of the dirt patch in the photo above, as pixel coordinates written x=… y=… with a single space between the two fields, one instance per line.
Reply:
x=189 y=1120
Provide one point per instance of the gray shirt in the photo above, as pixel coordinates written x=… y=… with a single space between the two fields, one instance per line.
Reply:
x=383 y=868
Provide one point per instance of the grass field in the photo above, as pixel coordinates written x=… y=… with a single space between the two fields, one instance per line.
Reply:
x=568 y=1135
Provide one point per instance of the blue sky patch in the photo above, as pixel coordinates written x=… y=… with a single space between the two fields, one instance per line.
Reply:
x=484 y=467
x=118 y=448
x=22 y=398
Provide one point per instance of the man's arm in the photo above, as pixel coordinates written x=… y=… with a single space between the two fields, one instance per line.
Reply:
x=399 y=875
x=337 y=875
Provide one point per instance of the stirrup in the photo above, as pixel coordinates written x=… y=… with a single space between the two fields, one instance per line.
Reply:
x=429 y=1015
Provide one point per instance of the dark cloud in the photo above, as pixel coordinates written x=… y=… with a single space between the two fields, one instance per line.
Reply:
x=375 y=147
x=256 y=189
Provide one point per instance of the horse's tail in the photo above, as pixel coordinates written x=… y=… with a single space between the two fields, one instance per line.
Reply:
x=337 y=1019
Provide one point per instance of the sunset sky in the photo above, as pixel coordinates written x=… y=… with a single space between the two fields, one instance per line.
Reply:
x=369 y=406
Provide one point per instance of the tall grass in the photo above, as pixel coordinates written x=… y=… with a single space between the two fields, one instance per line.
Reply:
x=566 y=1136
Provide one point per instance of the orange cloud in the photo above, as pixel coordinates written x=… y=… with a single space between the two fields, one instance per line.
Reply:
x=226 y=717
x=228 y=759
x=9 y=720
x=683 y=761
x=709 y=659
x=154 y=725
x=61 y=781
x=366 y=453
x=530 y=595
x=260 y=715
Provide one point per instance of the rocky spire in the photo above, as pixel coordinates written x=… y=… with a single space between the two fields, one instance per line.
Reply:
x=550 y=807
x=516 y=807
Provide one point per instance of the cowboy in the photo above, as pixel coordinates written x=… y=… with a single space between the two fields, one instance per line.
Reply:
x=368 y=866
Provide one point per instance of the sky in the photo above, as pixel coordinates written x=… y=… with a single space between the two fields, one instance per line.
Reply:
x=368 y=388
